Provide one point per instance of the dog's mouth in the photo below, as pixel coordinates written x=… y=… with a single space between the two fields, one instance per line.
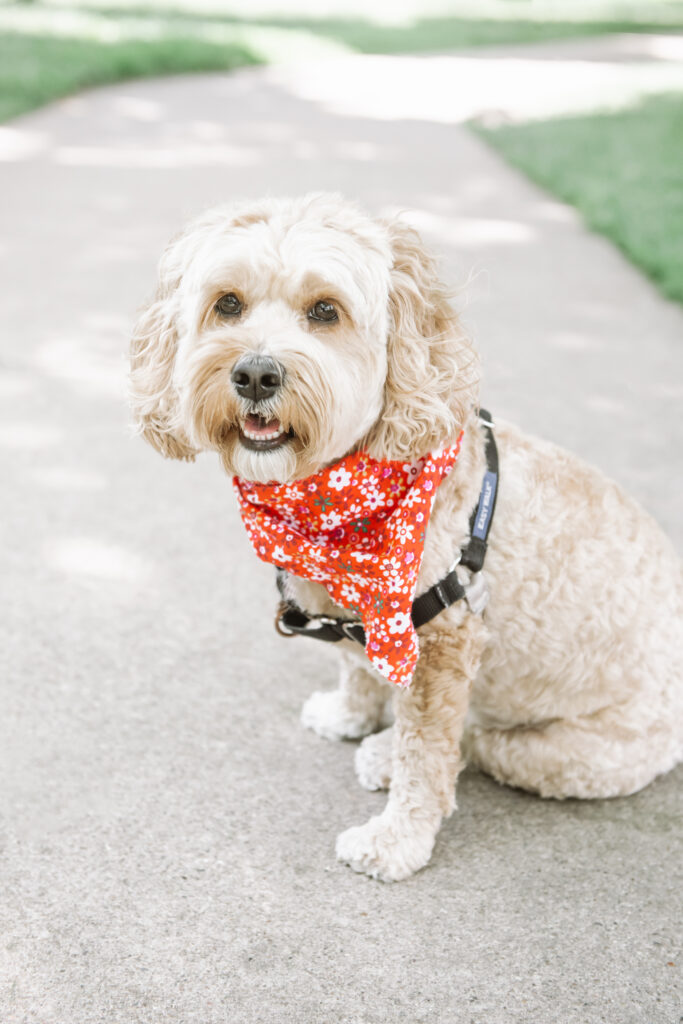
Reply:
x=262 y=435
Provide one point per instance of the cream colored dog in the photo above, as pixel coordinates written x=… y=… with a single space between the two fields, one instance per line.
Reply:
x=570 y=684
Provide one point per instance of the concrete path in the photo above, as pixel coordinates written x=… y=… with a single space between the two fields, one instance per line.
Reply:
x=168 y=825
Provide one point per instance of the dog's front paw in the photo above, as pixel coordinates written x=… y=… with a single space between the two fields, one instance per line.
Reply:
x=330 y=716
x=373 y=761
x=389 y=847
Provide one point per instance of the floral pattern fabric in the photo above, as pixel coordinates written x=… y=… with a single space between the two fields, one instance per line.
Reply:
x=358 y=527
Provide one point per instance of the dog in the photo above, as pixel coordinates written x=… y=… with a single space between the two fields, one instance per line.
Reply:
x=569 y=682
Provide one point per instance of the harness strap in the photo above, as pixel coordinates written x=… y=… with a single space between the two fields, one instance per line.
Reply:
x=292 y=621
x=474 y=552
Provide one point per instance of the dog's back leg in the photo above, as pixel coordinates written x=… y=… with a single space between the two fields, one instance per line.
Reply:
x=374 y=760
x=355 y=709
x=614 y=752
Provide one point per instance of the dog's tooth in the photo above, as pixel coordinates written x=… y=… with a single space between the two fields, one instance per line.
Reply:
x=261 y=437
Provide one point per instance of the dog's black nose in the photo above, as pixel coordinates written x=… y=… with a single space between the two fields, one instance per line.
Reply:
x=257 y=377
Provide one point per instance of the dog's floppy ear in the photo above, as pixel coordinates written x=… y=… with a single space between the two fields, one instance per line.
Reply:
x=432 y=375
x=152 y=395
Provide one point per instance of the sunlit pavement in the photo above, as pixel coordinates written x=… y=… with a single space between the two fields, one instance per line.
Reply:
x=169 y=826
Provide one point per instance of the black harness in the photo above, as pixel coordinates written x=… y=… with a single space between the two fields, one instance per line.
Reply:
x=292 y=621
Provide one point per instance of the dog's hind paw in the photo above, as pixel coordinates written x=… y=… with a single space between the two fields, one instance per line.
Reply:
x=387 y=847
x=330 y=715
x=373 y=761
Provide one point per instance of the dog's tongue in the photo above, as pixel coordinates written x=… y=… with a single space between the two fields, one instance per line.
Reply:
x=257 y=425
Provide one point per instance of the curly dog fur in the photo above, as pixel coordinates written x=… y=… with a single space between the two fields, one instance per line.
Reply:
x=570 y=684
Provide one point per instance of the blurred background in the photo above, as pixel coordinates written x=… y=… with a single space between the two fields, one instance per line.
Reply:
x=611 y=143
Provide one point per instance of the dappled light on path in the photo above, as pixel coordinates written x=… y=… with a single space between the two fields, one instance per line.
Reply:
x=453 y=89
x=84 y=556
x=63 y=478
x=15 y=385
x=27 y=435
x=467 y=232
x=163 y=157
x=77 y=362
x=20 y=143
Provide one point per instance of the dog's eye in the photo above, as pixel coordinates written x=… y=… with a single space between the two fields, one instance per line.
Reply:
x=323 y=311
x=228 y=305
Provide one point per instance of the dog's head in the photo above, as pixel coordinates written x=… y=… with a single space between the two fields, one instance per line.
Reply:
x=287 y=333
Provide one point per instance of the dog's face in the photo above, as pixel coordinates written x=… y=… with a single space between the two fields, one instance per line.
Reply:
x=287 y=333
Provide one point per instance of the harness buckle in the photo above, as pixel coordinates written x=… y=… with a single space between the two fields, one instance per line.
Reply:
x=345 y=626
x=477 y=593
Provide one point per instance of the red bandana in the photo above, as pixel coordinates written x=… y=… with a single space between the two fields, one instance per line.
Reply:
x=358 y=527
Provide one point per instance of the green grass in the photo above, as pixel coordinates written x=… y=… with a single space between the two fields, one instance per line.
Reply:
x=37 y=69
x=437 y=34
x=419 y=36
x=622 y=170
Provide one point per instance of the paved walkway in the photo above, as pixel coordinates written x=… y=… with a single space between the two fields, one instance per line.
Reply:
x=169 y=827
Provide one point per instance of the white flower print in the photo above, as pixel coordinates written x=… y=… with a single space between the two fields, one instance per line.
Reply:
x=339 y=479
x=373 y=499
x=349 y=593
x=382 y=665
x=292 y=493
x=413 y=497
x=361 y=556
x=413 y=468
x=399 y=622
x=280 y=555
x=405 y=532
x=330 y=520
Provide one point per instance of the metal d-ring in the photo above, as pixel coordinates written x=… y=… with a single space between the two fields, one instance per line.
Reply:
x=279 y=627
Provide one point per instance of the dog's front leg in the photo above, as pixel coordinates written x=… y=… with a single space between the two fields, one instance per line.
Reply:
x=426 y=760
x=354 y=709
